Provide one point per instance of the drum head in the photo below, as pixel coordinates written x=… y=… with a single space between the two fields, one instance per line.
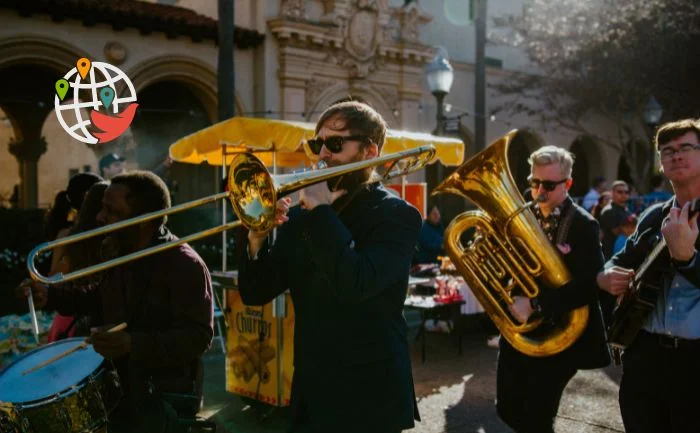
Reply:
x=52 y=379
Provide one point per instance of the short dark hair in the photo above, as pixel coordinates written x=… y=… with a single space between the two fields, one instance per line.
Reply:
x=147 y=192
x=672 y=130
x=597 y=181
x=360 y=119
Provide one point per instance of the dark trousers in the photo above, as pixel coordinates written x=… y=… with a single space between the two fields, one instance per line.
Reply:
x=528 y=390
x=660 y=389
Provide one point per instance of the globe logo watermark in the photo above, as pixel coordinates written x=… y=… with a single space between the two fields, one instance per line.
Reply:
x=93 y=86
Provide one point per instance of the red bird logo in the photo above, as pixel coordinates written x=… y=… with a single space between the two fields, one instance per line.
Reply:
x=112 y=127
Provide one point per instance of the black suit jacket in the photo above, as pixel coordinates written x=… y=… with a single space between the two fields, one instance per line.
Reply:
x=348 y=276
x=584 y=261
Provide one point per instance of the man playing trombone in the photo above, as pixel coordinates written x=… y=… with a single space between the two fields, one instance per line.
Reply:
x=165 y=300
x=344 y=255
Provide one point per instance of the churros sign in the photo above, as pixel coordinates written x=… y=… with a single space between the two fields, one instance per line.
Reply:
x=93 y=86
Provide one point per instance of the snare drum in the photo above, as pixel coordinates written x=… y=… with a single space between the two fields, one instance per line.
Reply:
x=74 y=394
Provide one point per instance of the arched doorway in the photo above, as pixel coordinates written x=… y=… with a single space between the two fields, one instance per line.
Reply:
x=169 y=110
x=9 y=181
x=582 y=166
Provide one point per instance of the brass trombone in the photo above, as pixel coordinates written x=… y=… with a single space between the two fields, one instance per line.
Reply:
x=253 y=193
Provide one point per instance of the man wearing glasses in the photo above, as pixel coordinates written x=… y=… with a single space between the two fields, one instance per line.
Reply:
x=612 y=220
x=345 y=256
x=613 y=216
x=529 y=388
x=660 y=382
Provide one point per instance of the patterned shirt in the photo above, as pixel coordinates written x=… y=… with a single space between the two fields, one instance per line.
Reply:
x=550 y=223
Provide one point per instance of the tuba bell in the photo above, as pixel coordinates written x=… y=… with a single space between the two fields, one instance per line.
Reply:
x=509 y=253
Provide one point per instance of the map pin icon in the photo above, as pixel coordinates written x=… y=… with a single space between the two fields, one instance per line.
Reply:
x=107 y=96
x=83 y=66
x=62 y=88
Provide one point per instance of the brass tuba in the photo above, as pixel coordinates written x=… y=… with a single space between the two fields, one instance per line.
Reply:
x=509 y=252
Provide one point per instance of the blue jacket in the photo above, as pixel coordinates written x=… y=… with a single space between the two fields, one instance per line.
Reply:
x=430 y=243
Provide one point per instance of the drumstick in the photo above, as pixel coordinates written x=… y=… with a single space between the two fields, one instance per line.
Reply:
x=32 y=312
x=81 y=346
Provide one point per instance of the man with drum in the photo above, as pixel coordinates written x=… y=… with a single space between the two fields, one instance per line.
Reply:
x=165 y=300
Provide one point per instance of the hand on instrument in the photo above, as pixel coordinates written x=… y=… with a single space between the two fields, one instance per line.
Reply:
x=256 y=239
x=111 y=345
x=39 y=292
x=319 y=194
x=680 y=233
x=520 y=308
x=615 y=280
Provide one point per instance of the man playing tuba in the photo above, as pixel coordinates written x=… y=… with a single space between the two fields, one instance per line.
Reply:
x=529 y=388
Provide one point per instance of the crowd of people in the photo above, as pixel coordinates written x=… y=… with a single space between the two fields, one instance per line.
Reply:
x=345 y=253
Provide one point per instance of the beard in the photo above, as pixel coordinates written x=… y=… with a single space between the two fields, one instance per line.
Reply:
x=351 y=181
x=119 y=243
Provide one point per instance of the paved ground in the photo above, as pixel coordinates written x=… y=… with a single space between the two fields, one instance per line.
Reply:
x=456 y=394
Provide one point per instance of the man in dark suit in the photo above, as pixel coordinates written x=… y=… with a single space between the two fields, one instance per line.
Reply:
x=345 y=257
x=529 y=388
x=659 y=388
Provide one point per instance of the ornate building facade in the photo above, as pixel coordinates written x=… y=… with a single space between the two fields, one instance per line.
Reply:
x=293 y=58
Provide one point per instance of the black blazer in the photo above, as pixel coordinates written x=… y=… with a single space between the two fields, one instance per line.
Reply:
x=348 y=276
x=584 y=261
x=640 y=244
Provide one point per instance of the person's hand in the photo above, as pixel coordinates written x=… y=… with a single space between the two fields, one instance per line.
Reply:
x=318 y=194
x=40 y=293
x=520 y=308
x=111 y=345
x=615 y=280
x=680 y=233
x=256 y=238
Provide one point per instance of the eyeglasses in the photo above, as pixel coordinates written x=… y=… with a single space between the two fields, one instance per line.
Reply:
x=548 y=185
x=334 y=144
x=668 y=153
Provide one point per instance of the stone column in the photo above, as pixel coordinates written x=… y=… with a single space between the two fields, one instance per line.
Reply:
x=28 y=151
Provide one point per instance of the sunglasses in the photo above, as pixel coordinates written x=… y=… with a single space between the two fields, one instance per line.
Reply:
x=548 y=185
x=334 y=144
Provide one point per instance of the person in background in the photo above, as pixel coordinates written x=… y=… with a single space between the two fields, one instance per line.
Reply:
x=614 y=215
x=591 y=198
x=657 y=193
x=603 y=201
x=627 y=229
x=430 y=239
x=112 y=165
x=78 y=256
x=612 y=219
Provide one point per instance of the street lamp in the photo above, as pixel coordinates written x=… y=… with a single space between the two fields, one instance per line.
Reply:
x=652 y=116
x=439 y=74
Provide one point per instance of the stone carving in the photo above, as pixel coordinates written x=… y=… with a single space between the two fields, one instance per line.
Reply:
x=315 y=87
x=390 y=95
x=293 y=9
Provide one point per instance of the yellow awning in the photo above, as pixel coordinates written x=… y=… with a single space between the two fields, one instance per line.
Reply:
x=285 y=139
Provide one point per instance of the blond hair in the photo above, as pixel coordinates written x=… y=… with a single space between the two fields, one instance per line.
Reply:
x=546 y=155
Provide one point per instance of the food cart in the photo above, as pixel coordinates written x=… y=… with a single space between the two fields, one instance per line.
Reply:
x=259 y=347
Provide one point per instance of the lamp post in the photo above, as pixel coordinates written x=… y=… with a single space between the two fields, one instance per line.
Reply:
x=652 y=116
x=439 y=74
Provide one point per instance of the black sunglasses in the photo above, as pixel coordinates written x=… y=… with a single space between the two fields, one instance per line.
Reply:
x=548 y=185
x=334 y=144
